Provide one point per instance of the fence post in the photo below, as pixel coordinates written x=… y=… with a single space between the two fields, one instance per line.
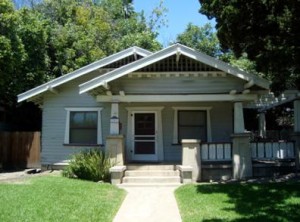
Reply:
x=241 y=156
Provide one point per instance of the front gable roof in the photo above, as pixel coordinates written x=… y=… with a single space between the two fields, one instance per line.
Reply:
x=105 y=62
x=176 y=49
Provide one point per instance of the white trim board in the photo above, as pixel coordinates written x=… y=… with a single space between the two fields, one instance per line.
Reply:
x=82 y=71
x=167 y=52
x=177 y=98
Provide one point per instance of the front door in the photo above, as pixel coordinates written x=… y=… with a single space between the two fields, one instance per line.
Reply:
x=144 y=147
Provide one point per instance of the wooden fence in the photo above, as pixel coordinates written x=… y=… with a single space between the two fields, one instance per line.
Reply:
x=20 y=149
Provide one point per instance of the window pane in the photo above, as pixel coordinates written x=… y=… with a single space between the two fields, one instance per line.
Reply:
x=83 y=127
x=144 y=124
x=192 y=118
x=192 y=125
x=83 y=119
x=144 y=148
x=192 y=133
x=83 y=136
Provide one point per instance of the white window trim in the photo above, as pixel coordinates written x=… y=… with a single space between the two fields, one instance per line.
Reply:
x=208 y=122
x=83 y=109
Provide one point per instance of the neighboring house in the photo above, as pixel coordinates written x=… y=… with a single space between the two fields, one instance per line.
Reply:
x=154 y=99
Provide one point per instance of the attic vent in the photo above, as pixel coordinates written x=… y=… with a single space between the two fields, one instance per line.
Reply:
x=124 y=61
x=184 y=64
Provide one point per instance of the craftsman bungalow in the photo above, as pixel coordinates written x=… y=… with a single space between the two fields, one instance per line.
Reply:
x=162 y=106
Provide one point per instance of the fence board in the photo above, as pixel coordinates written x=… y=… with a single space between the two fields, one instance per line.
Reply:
x=20 y=149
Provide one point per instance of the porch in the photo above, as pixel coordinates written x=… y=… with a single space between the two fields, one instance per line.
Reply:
x=238 y=158
x=211 y=162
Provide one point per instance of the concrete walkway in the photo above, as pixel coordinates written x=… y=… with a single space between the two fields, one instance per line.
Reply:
x=147 y=204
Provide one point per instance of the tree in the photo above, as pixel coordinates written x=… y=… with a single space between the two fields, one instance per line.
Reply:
x=202 y=39
x=22 y=64
x=41 y=40
x=267 y=31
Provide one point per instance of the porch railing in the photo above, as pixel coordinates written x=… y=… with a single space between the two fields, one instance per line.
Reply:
x=216 y=151
x=273 y=150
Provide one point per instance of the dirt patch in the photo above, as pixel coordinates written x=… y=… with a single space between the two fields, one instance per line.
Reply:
x=22 y=176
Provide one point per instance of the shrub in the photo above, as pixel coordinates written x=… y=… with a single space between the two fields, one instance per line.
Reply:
x=89 y=165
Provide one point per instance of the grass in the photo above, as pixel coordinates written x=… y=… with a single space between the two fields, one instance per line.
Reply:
x=54 y=198
x=239 y=202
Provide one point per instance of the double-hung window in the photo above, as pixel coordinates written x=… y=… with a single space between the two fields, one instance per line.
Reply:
x=83 y=126
x=191 y=123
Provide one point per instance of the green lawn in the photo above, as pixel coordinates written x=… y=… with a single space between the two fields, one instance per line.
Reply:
x=239 y=202
x=54 y=198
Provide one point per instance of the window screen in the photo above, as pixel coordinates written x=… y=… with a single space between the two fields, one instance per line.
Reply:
x=83 y=127
x=192 y=125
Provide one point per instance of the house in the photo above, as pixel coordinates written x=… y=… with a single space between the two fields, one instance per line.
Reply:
x=161 y=105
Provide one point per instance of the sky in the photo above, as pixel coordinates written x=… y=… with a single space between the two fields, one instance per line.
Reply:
x=180 y=13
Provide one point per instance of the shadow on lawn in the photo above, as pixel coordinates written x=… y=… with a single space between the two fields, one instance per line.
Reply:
x=259 y=202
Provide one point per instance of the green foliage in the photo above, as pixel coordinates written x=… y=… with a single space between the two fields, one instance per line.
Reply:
x=41 y=40
x=89 y=165
x=22 y=64
x=202 y=39
x=268 y=31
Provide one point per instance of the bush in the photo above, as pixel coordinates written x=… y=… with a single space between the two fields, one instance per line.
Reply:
x=89 y=165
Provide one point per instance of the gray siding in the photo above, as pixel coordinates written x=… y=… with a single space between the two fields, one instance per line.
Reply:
x=177 y=85
x=54 y=121
x=54 y=113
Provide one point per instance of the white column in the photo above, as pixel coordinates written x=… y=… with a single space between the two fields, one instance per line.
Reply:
x=114 y=119
x=297 y=116
x=262 y=125
x=239 y=126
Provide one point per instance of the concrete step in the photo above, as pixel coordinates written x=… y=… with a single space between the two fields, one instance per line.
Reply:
x=151 y=179
x=151 y=173
x=124 y=185
x=151 y=167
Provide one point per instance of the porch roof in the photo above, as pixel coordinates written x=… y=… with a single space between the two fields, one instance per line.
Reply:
x=176 y=49
x=49 y=86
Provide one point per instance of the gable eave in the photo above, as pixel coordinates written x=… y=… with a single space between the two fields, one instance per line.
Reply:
x=164 y=53
x=126 y=69
x=82 y=71
x=218 y=64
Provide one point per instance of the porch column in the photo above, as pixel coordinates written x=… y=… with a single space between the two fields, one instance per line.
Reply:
x=191 y=157
x=296 y=135
x=239 y=125
x=262 y=125
x=241 y=151
x=114 y=119
x=115 y=149
x=115 y=142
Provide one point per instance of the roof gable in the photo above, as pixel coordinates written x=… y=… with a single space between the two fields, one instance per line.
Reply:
x=105 y=62
x=176 y=50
